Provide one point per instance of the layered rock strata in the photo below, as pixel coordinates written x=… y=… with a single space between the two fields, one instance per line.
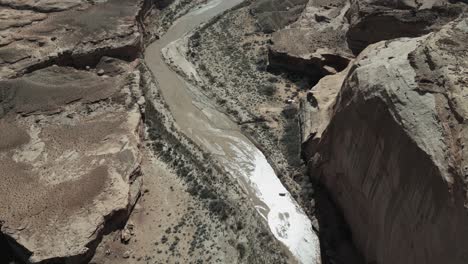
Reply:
x=37 y=34
x=71 y=124
x=69 y=159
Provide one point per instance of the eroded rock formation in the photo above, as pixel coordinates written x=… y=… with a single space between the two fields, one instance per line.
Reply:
x=393 y=153
x=375 y=20
x=322 y=40
x=315 y=44
x=77 y=33
x=273 y=15
x=70 y=152
x=70 y=123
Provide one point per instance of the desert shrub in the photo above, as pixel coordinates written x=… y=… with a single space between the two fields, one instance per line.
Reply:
x=220 y=208
x=202 y=67
x=291 y=140
x=241 y=249
x=268 y=90
x=221 y=101
x=273 y=79
x=289 y=112
x=206 y=193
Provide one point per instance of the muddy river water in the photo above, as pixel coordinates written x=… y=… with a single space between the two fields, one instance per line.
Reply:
x=216 y=133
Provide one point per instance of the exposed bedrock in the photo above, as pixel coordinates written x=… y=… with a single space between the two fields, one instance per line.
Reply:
x=322 y=40
x=315 y=44
x=375 y=20
x=70 y=146
x=76 y=34
x=70 y=160
x=317 y=109
x=44 y=6
x=391 y=149
x=273 y=15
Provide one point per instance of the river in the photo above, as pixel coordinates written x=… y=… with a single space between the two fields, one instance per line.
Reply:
x=197 y=118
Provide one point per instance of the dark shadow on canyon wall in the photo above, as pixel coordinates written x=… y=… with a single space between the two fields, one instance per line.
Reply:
x=7 y=255
x=336 y=241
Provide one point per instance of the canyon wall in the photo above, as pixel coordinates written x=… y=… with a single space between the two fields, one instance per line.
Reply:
x=71 y=125
x=391 y=149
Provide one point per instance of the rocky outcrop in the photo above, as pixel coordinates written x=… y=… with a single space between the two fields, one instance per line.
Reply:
x=41 y=5
x=375 y=20
x=315 y=44
x=69 y=157
x=273 y=15
x=316 y=109
x=327 y=33
x=393 y=155
x=77 y=33
x=71 y=137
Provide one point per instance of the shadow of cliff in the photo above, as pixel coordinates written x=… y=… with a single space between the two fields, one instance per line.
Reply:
x=7 y=255
x=335 y=236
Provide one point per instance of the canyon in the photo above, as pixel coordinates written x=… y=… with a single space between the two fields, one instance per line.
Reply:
x=216 y=131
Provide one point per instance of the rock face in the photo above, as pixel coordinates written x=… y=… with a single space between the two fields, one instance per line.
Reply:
x=315 y=44
x=273 y=15
x=393 y=154
x=322 y=40
x=41 y=5
x=70 y=152
x=72 y=32
x=375 y=20
x=317 y=108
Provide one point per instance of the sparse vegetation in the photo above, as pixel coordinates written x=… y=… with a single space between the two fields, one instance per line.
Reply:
x=268 y=90
x=273 y=79
x=241 y=249
x=291 y=138
x=220 y=208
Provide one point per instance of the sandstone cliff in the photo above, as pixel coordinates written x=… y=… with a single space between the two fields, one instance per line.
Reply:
x=375 y=20
x=315 y=44
x=70 y=152
x=41 y=33
x=71 y=126
x=393 y=152
x=323 y=38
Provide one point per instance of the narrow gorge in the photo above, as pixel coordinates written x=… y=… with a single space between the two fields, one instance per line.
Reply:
x=233 y=131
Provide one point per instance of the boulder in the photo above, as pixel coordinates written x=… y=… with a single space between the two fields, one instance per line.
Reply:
x=393 y=155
